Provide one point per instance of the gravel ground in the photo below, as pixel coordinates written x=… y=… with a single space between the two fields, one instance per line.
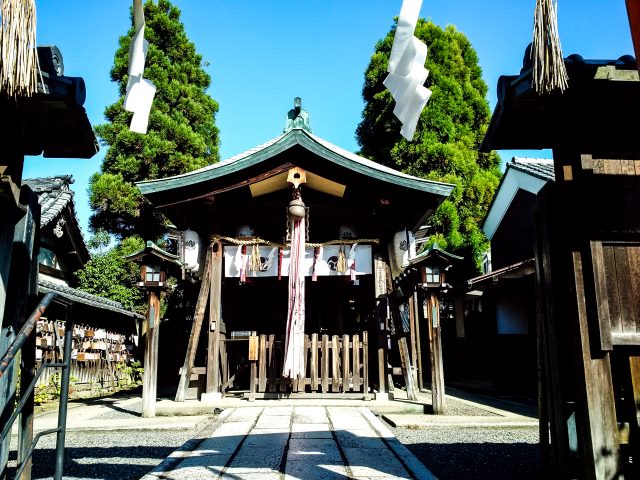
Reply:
x=456 y=408
x=106 y=455
x=496 y=453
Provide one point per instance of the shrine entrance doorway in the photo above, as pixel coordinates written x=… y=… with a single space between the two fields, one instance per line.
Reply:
x=335 y=343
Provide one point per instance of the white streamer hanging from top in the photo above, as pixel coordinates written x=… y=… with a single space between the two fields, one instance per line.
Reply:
x=140 y=92
x=406 y=70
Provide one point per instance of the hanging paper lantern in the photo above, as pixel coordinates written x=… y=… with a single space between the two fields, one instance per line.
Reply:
x=192 y=248
x=401 y=250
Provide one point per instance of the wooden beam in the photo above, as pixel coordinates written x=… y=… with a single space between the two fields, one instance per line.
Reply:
x=276 y=171
x=192 y=346
x=215 y=320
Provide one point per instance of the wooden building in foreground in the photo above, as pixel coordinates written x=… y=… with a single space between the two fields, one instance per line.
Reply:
x=238 y=207
x=587 y=249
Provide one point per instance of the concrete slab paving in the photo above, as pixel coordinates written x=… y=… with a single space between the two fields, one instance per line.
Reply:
x=310 y=415
x=273 y=421
x=310 y=427
x=383 y=462
x=244 y=414
x=221 y=444
x=322 y=450
x=296 y=443
x=296 y=470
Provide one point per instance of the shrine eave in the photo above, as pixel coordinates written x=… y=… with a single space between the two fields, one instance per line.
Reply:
x=296 y=137
x=596 y=113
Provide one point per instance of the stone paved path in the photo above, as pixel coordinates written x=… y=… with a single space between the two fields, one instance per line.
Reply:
x=295 y=443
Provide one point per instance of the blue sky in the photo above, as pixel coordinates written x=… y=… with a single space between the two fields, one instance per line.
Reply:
x=263 y=53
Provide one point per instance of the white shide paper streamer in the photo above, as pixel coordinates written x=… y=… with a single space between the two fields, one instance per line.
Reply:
x=406 y=70
x=140 y=92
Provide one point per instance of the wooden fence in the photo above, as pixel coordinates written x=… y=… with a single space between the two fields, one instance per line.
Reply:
x=335 y=365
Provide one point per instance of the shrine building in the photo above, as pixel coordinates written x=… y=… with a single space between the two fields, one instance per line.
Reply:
x=360 y=220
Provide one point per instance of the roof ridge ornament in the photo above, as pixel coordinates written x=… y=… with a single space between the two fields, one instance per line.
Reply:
x=297 y=118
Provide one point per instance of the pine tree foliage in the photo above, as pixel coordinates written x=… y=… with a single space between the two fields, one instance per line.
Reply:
x=182 y=134
x=450 y=130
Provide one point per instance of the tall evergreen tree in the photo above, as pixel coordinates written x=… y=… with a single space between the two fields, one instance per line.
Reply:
x=450 y=130
x=182 y=134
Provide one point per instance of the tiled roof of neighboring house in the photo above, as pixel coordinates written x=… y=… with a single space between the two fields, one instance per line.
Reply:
x=516 y=270
x=538 y=167
x=78 y=296
x=54 y=195
x=528 y=174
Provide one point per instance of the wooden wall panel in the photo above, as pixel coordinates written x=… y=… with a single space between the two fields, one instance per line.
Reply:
x=633 y=255
x=613 y=295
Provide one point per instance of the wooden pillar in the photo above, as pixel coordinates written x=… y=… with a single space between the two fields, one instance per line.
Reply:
x=552 y=422
x=416 y=310
x=11 y=166
x=150 y=378
x=599 y=429
x=23 y=294
x=380 y=280
x=215 y=320
x=579 y=387
x=414 y=339
x=432 y=313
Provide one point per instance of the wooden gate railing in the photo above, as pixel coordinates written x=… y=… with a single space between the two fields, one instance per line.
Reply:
x=335 y=365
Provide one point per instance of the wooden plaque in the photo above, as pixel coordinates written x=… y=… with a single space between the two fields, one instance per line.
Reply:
x=253 y=348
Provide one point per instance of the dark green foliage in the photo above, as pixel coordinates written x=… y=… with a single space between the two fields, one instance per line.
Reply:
x=182 y=134
x=109 y=275
x=450 y=130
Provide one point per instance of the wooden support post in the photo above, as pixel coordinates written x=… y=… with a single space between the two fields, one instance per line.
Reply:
x=314 y=362
x=345 y=363
x=271 y=360
x=435 y=343
x=149 y=381
x=253 y=377
x=325 y=364
x=549 y=345
x=417 y=309
x=578 y=377
x=192 y=346
x=380 y=280
x=634 y=366
x=414 y=348
x=598 y=415
x=365 y=363
x=356 y=363
x=335 y=364
x=262 y=364
x=22 y=295
x=215 y=321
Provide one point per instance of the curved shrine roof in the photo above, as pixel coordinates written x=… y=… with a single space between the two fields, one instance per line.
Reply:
x=281 y=143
